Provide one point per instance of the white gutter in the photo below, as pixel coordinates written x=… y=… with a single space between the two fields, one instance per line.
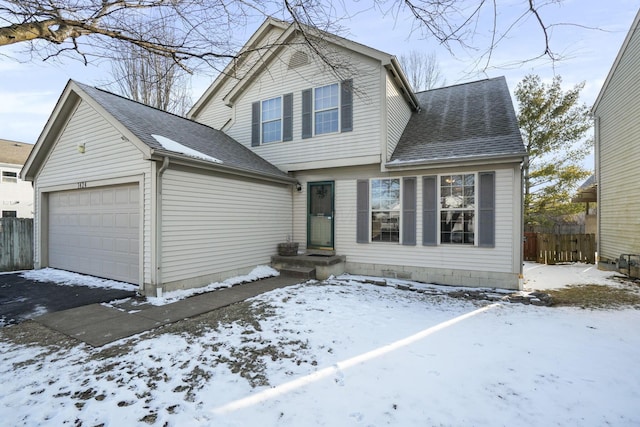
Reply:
x=457 y=161
x=163 y=168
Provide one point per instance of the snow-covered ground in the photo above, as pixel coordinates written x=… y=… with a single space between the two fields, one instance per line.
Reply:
x=541 y=276
x=346 y=353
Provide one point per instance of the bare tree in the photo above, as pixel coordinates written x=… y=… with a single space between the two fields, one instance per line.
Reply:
x=203 y=29
x=422 y=70
x=151 y=79
x=154 y=80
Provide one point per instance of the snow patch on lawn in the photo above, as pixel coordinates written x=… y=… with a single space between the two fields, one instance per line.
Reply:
x=67 y=278
x=260 y=272
x=541 y=276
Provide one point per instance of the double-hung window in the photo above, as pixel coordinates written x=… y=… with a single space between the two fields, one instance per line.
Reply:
x=385 y=210
x=271 y=120
x=325 y=109
x=458 y=209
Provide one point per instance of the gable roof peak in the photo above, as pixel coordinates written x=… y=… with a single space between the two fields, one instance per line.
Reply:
x=150 y=128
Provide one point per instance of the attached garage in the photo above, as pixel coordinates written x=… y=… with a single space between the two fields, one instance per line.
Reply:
x=96 y=231
x=131 y=193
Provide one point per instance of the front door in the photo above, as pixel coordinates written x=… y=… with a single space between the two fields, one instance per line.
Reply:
x=320 y=215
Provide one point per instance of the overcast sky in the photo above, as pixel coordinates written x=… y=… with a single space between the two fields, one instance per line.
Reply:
x=29 y=91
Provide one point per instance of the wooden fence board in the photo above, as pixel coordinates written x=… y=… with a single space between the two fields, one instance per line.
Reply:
x=16 y=244
x=558 y=248
x=530 y=251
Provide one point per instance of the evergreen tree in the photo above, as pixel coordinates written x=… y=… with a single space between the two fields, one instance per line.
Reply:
x=554 y=125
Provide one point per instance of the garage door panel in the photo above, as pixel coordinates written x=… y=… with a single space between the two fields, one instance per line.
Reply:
x=95 y=231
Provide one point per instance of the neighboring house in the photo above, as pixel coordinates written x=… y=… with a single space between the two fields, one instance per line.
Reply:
x=587 y=193
x=16 y=195
x=617 y=154
x=425 y=186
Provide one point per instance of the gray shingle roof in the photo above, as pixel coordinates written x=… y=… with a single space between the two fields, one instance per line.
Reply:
x=144 y=121
x=461 y=122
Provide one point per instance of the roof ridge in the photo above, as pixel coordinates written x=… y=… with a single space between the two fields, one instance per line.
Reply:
x=460 y=84
x=84 y=85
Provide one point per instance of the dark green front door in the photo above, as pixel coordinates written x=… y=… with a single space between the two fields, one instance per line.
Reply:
x=320 y=215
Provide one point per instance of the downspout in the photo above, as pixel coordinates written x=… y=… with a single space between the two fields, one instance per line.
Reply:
x=163 y=168
x=596 y=153
x=523 y=167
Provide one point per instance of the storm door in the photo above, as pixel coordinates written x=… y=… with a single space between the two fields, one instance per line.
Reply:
x=320 y=215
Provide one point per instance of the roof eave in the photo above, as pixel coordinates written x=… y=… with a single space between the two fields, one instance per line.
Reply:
x=182 y=159
x=403 y=83
x=66 y=103
x=458 y=161
x=266 y=26
x=623 y=48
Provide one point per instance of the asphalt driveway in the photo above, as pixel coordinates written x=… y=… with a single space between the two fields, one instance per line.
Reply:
x=22 y=299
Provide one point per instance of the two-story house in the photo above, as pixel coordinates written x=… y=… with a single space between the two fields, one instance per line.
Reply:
x=424 y=185
x=16 y=195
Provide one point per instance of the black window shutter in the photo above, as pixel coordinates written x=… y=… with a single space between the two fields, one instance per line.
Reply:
x=307 y=131
x=409 y=211
x=255 y=124
x=362 y=208
x=429 y=211
x=486 y=210
x=287 y=117
x=346 y=106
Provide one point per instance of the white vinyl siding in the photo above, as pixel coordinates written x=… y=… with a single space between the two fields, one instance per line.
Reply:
x=215 y=113
x=619 y=156
x=212 y=224
x=363 y=141
x=398 y=115
x=503 y=258
x=106 y=157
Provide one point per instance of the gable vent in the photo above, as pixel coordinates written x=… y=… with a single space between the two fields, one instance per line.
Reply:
x=298 y=59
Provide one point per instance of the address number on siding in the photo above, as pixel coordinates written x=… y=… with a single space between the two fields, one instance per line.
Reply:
x=82 y=184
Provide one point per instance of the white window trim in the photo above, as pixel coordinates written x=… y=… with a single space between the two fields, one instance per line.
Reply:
x=474 y=210
x=281 y=118
x=314 y=111
x=371 y=210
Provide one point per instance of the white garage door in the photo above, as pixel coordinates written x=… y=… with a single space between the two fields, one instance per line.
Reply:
x=95 y=231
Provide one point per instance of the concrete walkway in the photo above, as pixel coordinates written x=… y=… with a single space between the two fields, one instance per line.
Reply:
x=98 y=325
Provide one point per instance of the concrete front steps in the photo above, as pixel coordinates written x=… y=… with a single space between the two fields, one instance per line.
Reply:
x=311 y=265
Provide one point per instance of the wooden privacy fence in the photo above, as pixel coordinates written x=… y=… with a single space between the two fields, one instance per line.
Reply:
x=16 y=244
x=556 y=248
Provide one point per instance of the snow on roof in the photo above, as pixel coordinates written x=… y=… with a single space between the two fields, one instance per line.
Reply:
x=171 y=145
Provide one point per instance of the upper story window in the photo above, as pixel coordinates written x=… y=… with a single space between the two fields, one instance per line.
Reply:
x=8 y=176
x=385 y=210
x=457 y=208
x=9 y=214
x=325 y=109
x=271 y=120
